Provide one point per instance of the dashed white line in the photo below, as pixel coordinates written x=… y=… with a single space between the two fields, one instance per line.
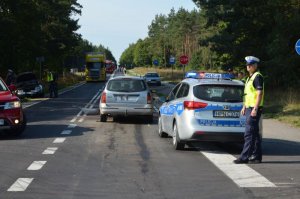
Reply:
x=36 y=165
x=72 y=126
x=21 y=184
x=59 y=140
x=66 y=132
x=50 y=150
x=241 y=174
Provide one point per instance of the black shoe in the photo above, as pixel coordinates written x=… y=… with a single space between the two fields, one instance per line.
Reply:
x=240 y=161
x=254 y=161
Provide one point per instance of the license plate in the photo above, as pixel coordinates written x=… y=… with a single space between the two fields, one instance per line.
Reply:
x=1 y=122
x=121 y=98
x=226 y=114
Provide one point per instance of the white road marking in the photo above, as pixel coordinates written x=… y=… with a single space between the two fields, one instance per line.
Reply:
x=73 y=120
x=50 y=150
x=21 y=184
x=81 y=119
x=89 y=104
x=241 y=174
x=59 y=140
x=66 y=132
x=36 y=165
x=72 y=126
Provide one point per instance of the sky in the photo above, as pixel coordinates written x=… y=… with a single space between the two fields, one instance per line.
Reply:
x=117 y=23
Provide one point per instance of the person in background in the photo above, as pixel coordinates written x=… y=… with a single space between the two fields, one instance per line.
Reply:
x=241 y=76
x=10 y=77
x=252 y=108
x=231 y=73
x=52 y=85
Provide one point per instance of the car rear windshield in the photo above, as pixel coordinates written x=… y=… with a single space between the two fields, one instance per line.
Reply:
x=126 y=85
x=151 y=75
x=219 y=93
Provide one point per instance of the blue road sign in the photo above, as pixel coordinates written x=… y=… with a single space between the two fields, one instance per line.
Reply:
x=155 y=62
x=297 y=46
x=172 y=60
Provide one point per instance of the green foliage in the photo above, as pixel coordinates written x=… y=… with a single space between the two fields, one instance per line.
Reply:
x=222 y=33
x=31 y=29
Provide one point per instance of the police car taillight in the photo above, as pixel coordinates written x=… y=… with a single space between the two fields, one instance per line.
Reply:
x=103 y=97
x=191 y=105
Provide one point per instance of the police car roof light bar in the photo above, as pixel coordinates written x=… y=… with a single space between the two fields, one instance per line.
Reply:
x=204 y=75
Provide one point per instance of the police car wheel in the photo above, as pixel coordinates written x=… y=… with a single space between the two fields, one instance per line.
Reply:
x=177 y=144
x=160 y=130
x=103 y=118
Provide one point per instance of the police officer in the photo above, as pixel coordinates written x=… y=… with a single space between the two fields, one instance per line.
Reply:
x=253 y=104
x=51 y=83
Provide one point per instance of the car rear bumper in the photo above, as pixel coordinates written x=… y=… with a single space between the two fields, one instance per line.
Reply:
x=121 y=111
x=218 y=137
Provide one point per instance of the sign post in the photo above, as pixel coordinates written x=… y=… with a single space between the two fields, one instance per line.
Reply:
x=184 y=60
x=172 y=62
x=297 y=47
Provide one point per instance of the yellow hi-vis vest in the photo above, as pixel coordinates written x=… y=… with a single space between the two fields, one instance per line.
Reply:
x=251 y=93
x=49 y=77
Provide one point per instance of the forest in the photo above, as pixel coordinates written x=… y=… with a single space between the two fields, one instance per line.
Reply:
x=35 y=32
x=220 y=33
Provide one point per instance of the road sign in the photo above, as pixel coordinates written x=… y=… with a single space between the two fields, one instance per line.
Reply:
x=155 y=62
x=184 y=59
x=172 y=60
x=297 y=46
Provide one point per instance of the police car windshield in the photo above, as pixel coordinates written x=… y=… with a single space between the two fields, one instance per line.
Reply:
x=219 y=93
x=128 y=85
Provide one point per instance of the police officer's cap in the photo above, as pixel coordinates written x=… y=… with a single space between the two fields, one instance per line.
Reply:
x=251 y=60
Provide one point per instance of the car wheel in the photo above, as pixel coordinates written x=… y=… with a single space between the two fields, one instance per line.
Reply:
x=177 y=144
x=103 y=118
x=19 y=130
x=160 y=130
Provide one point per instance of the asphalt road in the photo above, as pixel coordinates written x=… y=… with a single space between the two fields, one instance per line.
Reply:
x=66 y=153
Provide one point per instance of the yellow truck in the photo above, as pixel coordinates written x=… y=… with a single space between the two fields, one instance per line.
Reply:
x=95 y=67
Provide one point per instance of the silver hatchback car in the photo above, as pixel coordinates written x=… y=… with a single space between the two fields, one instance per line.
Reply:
x=203 y=108
x=126 y=96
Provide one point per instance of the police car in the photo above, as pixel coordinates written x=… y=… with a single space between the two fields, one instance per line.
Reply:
x=203 y=107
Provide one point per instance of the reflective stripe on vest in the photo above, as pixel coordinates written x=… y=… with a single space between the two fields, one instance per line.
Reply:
x=251 y=93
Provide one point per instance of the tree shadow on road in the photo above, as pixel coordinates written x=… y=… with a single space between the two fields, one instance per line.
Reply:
x=39 y=131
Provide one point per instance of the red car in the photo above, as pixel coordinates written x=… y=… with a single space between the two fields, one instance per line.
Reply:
x=12 y=117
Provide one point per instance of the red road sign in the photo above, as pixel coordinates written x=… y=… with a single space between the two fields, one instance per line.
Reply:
x=184 y=59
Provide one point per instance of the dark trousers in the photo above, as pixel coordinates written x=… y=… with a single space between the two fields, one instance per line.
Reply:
x=53 y=89
x=252 y=145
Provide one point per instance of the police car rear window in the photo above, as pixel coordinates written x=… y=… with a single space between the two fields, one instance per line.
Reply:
x=219 y=93
x=126 y=85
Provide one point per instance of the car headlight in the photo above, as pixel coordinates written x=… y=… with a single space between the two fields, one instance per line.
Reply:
x=12 y=105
